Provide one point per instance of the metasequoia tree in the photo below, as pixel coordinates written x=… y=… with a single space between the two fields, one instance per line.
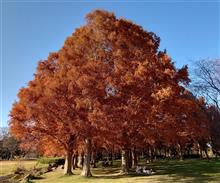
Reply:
x=182 y=120
x=106 y=81
x=136 y=75
x=46 y=111
x=149 y=84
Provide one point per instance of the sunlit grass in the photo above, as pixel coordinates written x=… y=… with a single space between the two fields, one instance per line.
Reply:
x=198 y=171
x=7 y=167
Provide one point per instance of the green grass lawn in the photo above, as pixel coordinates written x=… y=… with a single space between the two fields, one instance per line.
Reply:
x=200 y=171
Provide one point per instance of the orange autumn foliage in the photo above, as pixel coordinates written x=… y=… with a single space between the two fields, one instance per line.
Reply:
x=109 y=82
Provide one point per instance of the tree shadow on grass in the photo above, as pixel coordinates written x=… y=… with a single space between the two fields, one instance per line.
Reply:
x=113 y=173
x=190 y=170
x=106 y=171
x=200 y=171
x=118 y=176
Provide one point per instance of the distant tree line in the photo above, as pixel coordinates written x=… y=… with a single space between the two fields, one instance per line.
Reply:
x=9 y=146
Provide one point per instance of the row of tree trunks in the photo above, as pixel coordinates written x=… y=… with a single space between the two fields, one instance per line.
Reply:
x=73 y=161
x=129 y=159
x=151 y=154
x=203 y=148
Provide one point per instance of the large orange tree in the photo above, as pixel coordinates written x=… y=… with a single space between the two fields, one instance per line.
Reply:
x=106 y=82
x=121 y=74
x=46 y=112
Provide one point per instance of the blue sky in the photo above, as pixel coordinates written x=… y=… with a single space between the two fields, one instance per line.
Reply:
x=30 y=30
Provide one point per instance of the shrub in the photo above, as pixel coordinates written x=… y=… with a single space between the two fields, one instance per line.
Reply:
x=191 y=156
x=51 y=160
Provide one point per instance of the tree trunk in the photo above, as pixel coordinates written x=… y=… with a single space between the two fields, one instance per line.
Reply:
x=76 y=161
x=79 y=163
x=206 y=153
x=94 y=159
x=199 y=150
x=150 y=155
x=129 y=159
x=86 y=165
x=80 y=160
x=180 y=153
x=73 y=162
x=68 y=164
x=169 y=153
x=134 y=158
x=124 y=161
x=165 y=152
x=155 y=154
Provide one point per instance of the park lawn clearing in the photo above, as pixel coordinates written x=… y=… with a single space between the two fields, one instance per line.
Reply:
x=7 y=167
x=198 y=171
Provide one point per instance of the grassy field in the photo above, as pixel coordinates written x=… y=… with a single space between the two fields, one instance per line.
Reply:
x=198 y=171
x=7 y=167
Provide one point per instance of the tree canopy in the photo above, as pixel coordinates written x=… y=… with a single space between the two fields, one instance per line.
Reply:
x=108 y=85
